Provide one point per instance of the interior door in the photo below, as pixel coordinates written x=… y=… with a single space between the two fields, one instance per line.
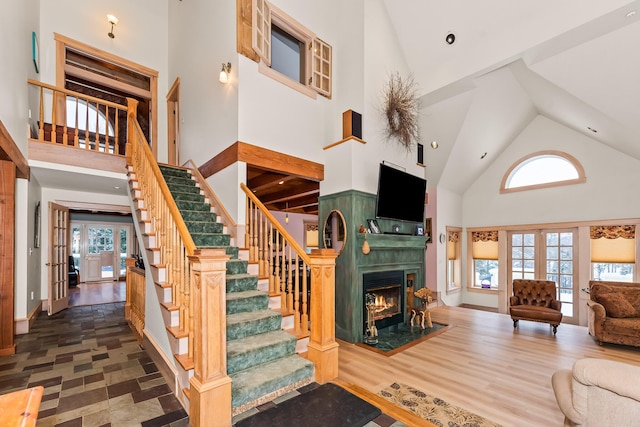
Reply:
x=58 y=257
x=560 y=261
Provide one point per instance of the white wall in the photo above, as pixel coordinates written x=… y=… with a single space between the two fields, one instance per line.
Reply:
x=202 y=36
x=141 y=36
x=20 y=18
x=605 y=195
x=449 y=209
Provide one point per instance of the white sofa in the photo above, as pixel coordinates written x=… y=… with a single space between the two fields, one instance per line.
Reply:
x=598 y=392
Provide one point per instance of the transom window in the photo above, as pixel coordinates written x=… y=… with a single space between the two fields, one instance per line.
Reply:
x=543 y=169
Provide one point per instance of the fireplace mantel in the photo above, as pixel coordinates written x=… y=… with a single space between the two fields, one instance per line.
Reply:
x=388 y=252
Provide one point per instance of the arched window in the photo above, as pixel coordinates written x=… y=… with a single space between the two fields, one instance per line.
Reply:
x=87 y=117
x=542 y=169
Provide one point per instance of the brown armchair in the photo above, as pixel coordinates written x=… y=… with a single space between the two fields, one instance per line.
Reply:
x=535 y=300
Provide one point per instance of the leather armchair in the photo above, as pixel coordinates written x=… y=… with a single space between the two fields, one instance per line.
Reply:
x=535 y=300
x=598 y=392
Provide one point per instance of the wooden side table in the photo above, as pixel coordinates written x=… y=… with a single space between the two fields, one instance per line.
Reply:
x=20 y=408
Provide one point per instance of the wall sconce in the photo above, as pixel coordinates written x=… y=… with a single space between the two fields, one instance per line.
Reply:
x=113 y=21
x=224 y=73
x=286 y=215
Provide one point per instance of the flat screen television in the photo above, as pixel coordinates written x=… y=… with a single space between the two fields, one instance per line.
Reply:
x=400 y=195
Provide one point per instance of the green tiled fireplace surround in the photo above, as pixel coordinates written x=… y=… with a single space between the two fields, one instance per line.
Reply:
x=388 y=252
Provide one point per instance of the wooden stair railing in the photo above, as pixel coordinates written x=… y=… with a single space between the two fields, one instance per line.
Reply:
x=87 y=131
x=197 y=282
x=304 y=282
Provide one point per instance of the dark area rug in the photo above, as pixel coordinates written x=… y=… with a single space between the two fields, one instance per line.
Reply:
x=326 y=405
x=400 y=337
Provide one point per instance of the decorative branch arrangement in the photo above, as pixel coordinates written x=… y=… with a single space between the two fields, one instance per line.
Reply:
x=401 y=103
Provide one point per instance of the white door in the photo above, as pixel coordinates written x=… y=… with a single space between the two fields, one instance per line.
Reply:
x=58 y=258
x=99 y=240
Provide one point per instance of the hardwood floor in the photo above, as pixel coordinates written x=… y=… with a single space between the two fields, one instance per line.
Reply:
x=484 y=365
x=97 y=293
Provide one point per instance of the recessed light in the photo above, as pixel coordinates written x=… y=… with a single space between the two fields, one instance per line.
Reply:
x=592 y=129
x=450 y=38
x=116 y=187
x=630 y=13
x=434 y=144
x=483 y=155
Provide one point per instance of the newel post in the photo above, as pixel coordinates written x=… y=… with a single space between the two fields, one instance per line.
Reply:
x=132 y=111
x=210 y=398
x=130 y=262
x=322 y=347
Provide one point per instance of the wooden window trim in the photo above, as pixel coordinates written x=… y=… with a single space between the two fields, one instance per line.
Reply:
x=576 y=164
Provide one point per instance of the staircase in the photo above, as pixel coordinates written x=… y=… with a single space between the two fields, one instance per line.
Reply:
x=261 y=357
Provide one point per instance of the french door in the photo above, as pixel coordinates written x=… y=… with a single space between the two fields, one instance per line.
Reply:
x=58 y=257
x=100 y=250
x=548 y=254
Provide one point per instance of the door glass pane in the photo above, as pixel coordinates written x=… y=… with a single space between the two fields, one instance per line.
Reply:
x=123 y=251
x=559 y=264
x=523 y=256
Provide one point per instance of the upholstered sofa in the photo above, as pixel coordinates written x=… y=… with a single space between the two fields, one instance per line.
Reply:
x=535 y=300
x=598 y=393
x=613 y=314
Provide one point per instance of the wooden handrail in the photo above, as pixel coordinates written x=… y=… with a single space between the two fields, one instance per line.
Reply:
x=290 y=240
x=217 y=204
x=76 y=94
x=52 y=120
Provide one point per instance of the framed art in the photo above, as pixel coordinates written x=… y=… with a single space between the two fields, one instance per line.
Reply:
x=36 y=226
x=373 y=226
x=419 y=230
x=35 y=51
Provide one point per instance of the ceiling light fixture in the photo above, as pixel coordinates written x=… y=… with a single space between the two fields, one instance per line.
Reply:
x=113 y=21
x=450 y=39
x=224 y=73
x=434 y=144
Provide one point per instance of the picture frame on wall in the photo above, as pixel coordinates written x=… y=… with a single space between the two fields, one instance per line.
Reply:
x=35 y=51
x=419 y=230
x=36 y=226
x=427 y=229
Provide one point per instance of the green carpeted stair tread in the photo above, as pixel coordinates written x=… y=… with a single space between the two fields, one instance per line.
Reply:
x=211 y=239
x=189 y=216
x=168 y=171
x=188 y=197
x=257 y=349
x=204 y=226
x=255 y=382
x=184 y=188
x=238 y=302
x=244 y=324
x=241 y=282
x=193 y=206
x=237 y=266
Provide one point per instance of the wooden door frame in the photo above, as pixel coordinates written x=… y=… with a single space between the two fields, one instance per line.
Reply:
x=12 y=165
x=62 y=42
x=173 y=123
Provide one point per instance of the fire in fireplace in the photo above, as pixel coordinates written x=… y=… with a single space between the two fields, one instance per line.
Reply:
x=386 y=290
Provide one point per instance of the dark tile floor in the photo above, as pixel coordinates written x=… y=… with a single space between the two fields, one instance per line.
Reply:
x=95 y=374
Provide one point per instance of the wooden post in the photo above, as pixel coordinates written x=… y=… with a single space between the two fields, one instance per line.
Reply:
x=7 y=249
x=210 y=394
x=130 y=262
x=323 y=348
x=132 y=110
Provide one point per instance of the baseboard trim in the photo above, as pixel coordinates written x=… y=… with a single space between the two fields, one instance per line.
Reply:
x=167 y=369
x=23 y=326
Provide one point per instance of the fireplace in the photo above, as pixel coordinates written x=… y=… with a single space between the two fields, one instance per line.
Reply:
x=385 y=290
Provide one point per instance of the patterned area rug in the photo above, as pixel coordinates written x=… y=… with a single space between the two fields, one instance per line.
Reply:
x=433 y=409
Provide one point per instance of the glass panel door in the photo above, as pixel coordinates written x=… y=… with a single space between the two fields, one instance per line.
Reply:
x=523 y=255
x=560 y=256
x=99 y=242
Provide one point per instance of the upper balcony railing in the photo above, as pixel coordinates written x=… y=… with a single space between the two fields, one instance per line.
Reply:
x=72 y=119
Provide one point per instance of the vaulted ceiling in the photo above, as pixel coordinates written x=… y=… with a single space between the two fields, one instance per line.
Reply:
x=576 y=62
